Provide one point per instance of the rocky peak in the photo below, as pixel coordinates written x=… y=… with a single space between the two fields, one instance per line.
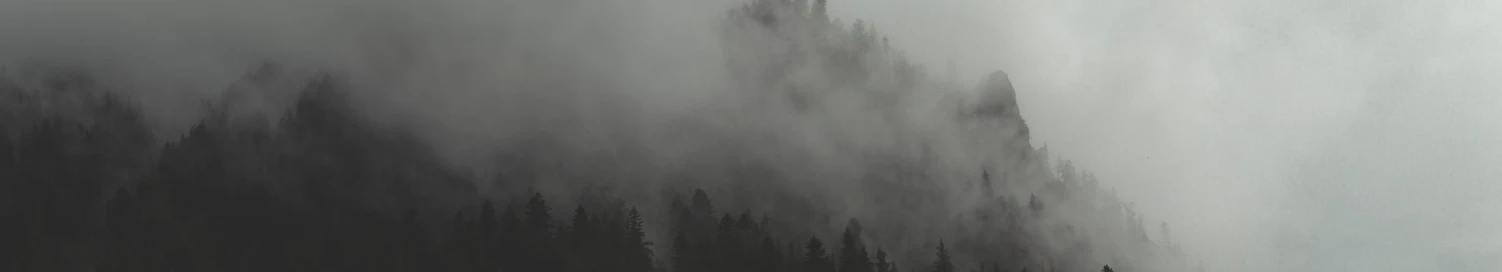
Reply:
x=997 y=102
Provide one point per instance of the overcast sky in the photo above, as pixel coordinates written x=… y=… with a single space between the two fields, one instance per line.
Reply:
x=1281 y=135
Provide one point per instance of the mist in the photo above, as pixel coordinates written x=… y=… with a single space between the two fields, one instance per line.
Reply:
x=1272 y=135
x=1281 y=135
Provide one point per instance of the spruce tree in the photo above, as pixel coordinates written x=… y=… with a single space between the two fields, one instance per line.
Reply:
x=821 y=10
x=853 y=256
x=815 y=259
x=541 y=255
x=881 y=262
x=770 y=259
x=487 y=237
x=581 y=229
x=489 y=225
x=942 y=263
x=539 y=219
x=638 y=249
x=728 y=256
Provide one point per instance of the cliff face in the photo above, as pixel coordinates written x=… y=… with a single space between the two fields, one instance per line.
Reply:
x=871 y=137
x=998 y=102
x=993 y=116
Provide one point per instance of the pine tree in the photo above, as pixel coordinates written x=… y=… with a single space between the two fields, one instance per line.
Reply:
x=582 y=253
x=488 y=237
x=581 y=229
x=745 y=223
x=489 y=225
x=881 y=262
x=541 y=255
x=729 y=246
x=821 y=10
x=853 y=256
x=539 y=221
x=815 y=259
x=639 y=251
x=942 y=263
x=702 y=206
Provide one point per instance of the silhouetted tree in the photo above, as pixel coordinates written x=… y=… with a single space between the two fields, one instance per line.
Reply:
x=728 y=245
x=853 y=256
x=487 y=238
x=541 y=255
x=821 y=10
x=942 y=263
x=770 y=259
x=539 y=218
x=639 y=252
x=581 y=230
x=815 y=258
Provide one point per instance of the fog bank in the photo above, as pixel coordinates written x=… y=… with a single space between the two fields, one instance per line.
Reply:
x=1275 y=135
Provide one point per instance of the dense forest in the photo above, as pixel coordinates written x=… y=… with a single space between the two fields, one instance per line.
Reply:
x=88 y=184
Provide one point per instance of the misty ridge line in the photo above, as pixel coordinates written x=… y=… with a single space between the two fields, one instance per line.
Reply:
x=816 y=125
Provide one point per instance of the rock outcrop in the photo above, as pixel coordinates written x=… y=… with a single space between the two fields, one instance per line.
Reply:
x=998 y=101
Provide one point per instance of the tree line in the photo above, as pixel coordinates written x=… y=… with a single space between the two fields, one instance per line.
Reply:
x=92 y=192
x=84 y=186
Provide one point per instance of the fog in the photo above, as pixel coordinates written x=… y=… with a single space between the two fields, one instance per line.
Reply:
x=1274 y=135
x=1269 y=135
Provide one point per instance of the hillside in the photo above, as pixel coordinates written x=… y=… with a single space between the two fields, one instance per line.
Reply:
x=823 y=149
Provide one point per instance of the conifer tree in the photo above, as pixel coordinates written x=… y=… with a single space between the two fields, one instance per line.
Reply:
x=881 y=262
x=539 y=219
x=639 y=251
x=771 y=259
x=581 y=229
x=853 y=256
x=821 y=10
x=540 y=255
x=815 y=258
x=942 y=263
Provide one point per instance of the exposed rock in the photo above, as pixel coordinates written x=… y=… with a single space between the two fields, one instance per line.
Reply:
x=997 y=104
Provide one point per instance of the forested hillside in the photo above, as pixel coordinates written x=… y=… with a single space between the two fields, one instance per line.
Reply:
x=835 y=154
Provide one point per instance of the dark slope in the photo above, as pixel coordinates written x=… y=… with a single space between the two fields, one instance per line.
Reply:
x=829 y=134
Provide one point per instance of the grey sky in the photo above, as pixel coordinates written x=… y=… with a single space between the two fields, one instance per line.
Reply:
x=1272 y=135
